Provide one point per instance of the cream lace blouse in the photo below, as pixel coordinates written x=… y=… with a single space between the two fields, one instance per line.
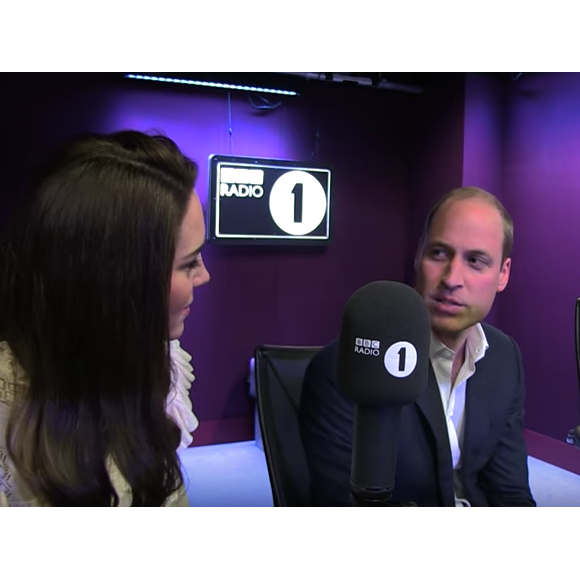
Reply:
x=13 y=491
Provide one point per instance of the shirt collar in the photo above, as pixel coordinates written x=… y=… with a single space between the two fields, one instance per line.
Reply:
x=475 y=347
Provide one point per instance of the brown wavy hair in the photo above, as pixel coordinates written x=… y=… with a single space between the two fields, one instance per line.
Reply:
x=85 y=273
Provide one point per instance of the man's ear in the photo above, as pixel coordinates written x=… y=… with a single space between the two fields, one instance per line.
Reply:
x=504 y=275
x=417 y=261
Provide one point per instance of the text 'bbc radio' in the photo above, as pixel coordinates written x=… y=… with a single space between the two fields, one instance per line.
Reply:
x=241 y=182
x=367 y=346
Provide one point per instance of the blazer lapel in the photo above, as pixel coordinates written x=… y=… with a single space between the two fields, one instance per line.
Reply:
x=476 y=418
x=430 y=405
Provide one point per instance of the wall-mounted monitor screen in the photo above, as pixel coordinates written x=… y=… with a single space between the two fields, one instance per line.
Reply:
x=268 y=202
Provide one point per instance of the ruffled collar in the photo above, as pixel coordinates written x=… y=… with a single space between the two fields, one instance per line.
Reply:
x=179 y=406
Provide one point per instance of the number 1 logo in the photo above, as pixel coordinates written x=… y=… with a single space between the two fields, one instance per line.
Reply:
x=401 y=359
x=297 y=203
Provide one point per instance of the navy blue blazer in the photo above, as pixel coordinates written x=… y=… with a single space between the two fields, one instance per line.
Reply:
x=494 y=467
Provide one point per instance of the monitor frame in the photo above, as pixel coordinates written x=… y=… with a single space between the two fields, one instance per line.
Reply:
x=279 y=240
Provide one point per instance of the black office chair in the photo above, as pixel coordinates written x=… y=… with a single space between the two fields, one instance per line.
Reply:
x=279 y=371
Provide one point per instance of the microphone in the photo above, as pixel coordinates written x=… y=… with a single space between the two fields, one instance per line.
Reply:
x=383 y=364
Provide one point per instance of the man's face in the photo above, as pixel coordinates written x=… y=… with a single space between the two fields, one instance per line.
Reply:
x=460 y=270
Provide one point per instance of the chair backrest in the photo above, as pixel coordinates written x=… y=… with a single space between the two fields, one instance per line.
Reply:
x=279 y=375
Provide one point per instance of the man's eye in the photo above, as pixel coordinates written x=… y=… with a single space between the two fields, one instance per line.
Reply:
x=477 y=262
x=438 y=254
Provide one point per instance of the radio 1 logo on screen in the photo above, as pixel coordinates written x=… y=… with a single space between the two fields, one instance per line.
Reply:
x=269 y=200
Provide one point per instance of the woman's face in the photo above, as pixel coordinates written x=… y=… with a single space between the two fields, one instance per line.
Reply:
x=189 y=271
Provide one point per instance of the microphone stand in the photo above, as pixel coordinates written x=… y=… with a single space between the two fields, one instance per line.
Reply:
x=573 y=437
x=382 y=499
x=372 y=477
x=381 y=503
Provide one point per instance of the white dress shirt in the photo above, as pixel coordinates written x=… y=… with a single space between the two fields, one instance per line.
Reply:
x=453 y=396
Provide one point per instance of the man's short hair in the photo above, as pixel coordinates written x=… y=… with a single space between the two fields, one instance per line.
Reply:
x=474 y=193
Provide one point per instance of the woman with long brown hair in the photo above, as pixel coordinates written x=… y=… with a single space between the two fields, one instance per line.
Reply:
x=97 y=274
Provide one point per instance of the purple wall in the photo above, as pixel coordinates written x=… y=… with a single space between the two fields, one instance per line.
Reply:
x=483 y=133
x=483 y=143
x=393 y=155
x=541 y=185
x=436 y=154
x=256 y=296
x=521 y=142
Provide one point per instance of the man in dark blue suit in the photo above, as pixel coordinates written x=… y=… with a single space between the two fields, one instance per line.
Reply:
x=461 y=443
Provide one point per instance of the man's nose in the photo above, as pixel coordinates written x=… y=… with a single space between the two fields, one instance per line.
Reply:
x=453 y=276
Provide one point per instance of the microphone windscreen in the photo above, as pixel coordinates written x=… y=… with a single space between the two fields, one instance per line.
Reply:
x=384 y=345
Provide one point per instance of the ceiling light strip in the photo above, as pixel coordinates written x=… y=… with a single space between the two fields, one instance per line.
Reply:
x=211 y=84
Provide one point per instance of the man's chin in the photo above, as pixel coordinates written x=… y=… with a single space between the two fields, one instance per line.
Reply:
x=446 y=320
x=451 y=328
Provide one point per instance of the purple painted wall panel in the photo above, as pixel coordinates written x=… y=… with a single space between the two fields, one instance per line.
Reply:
x=482 y=143
x=257 y=295
x=541 y=183
x=392 y=156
